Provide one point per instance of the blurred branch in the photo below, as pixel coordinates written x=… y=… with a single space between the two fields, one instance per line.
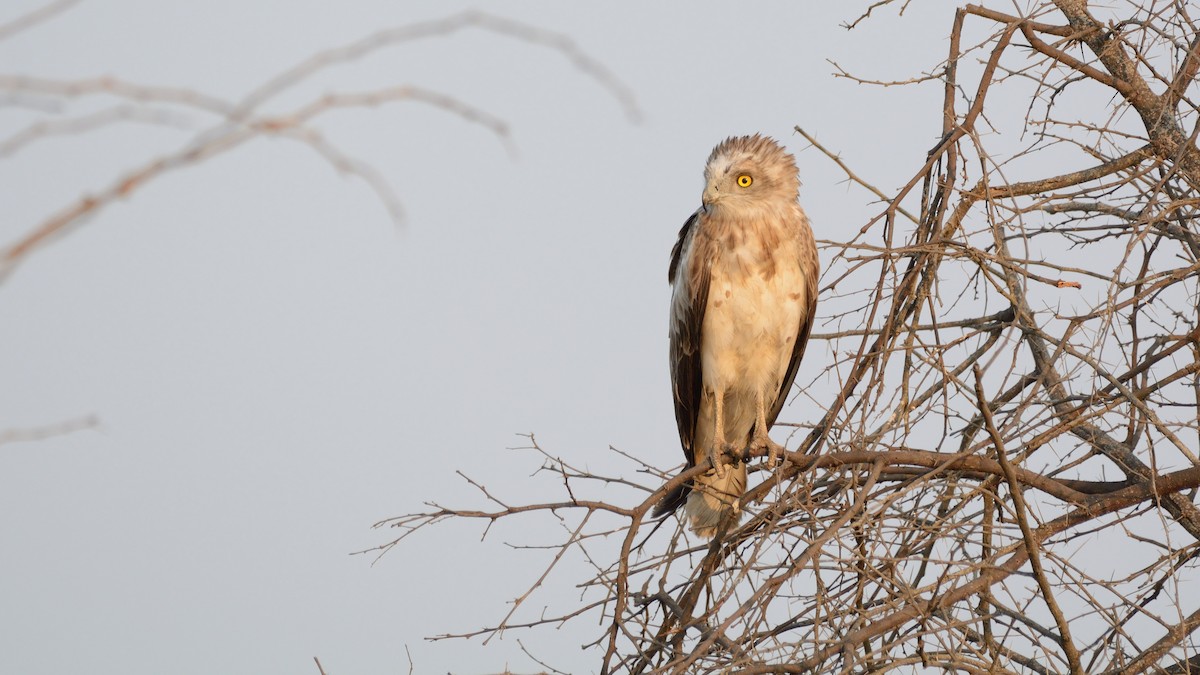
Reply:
x=240 y=121
x=32 y=434
x=27 y=21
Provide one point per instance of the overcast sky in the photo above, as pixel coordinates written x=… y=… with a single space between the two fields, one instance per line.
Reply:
x=276 y=364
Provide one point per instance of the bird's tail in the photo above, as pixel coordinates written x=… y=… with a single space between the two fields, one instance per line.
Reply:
x=714 y=500
x=674 y=499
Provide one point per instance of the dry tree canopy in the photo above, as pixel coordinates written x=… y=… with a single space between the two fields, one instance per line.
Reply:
x=1005 y=481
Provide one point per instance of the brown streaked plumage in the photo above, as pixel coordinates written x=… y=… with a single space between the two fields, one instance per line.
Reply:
x=744 y=292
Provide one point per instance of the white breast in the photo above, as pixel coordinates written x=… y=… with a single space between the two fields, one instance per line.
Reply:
x=756 y=301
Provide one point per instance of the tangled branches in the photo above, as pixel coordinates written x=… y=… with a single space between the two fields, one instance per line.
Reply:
x=1004 y=481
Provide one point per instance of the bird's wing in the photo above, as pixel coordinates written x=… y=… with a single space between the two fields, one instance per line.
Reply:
x=810 y=265
x=689 y=276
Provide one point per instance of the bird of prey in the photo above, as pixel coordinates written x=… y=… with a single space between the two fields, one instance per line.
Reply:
x=744 y=290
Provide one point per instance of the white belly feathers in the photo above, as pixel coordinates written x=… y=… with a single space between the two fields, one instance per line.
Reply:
x=754 y=310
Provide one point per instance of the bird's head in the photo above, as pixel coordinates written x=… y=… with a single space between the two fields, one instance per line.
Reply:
x=749 y=173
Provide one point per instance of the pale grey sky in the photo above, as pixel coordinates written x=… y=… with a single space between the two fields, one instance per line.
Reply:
x=276 y=365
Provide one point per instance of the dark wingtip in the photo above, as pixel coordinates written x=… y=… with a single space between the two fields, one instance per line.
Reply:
x=674 y=499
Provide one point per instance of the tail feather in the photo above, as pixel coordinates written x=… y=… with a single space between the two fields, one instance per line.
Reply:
x=672 y=501
x=713 y=500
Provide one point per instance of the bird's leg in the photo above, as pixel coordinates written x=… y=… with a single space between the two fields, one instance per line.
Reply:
x=761 y=440
x=719 y=446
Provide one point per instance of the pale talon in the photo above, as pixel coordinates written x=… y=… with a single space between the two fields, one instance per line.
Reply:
x=722 y=470
x=719 y=466
x=774 y=450
x=733 y=455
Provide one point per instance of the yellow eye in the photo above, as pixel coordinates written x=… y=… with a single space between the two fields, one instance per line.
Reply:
x=745 y=180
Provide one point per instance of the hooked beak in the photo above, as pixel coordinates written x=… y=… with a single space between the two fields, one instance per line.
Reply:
x=711 y=195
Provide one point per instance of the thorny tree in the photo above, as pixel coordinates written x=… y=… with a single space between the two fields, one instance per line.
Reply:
x=1005 y=480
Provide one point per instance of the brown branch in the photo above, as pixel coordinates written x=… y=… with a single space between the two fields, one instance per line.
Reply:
x=1157 y=489
x=31 y=19
x=1155 y=652
x=837 y=159
x=1169 y=141
x=1022 y=511
x=1001 y=17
